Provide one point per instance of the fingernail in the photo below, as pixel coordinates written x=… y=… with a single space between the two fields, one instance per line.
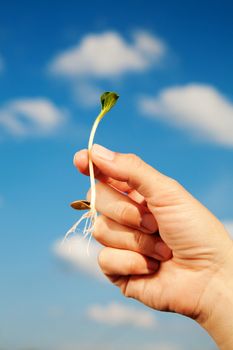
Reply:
x=162 y=250
x=148 y=222
x=103 y=152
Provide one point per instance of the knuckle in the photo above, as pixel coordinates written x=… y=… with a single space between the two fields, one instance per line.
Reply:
x=175 y=189
x=173 y=184
x=134 y=160
x=125 y=290
x=139 y=241
x=122 y=212
x=132 y=266
x=102 y=260
x=98 y=228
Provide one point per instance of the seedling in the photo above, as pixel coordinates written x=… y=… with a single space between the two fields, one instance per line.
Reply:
x=108 y=100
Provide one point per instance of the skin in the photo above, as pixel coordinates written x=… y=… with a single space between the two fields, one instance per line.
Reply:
x=161 y=246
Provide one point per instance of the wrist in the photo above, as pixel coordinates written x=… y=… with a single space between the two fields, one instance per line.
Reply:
x=217 y=305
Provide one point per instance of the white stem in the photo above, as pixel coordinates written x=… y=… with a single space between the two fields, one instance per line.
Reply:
x=91 y=215
x=91 y=168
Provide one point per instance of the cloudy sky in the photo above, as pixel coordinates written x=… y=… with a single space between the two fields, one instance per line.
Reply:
x=171 y=63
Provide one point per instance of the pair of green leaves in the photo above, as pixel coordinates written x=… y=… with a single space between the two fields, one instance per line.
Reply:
x=108 y=100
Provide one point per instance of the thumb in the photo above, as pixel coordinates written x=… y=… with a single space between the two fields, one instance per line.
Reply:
x=150 y=183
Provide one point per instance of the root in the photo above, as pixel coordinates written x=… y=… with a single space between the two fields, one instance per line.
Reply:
x=88 y=219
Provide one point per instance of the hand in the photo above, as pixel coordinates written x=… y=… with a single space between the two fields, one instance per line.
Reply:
x=194 y=248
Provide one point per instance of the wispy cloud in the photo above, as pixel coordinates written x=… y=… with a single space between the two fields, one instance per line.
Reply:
x=74 y=252
x=29 y=117
x=201 y=109
x=118 y=314
x=103 y=57
x=108 y=55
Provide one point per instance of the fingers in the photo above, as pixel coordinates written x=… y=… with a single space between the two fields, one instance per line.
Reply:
x=124 y=262
x=114 y=235
x=121 y=208
x=81 y=162
x=156 y=188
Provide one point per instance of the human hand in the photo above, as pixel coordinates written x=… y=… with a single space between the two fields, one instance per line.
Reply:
x=194 y=249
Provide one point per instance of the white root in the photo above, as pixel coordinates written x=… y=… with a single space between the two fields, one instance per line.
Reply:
x=90 y=218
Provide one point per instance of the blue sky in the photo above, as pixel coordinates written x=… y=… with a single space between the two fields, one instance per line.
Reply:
x=171 y=63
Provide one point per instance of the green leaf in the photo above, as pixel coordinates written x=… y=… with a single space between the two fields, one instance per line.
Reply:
x=108 y=99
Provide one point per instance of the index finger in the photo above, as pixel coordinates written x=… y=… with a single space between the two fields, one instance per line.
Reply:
x=81 y=163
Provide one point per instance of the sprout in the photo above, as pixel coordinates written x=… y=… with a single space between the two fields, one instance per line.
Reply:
x=108 y=100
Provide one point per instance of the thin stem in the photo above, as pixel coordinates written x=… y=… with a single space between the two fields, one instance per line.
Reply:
x=91 y=167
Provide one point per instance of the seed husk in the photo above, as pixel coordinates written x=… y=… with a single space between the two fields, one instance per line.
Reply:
x=81 y=204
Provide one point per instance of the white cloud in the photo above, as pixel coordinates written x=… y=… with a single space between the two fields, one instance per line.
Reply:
x=229 y=227
x=108 y=54
x=200 y=108
x=74 y=251
x=26 y=117
x=118 y=314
